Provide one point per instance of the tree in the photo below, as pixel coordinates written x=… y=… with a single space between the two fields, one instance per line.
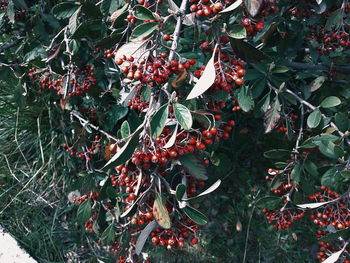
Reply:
x=148 y=92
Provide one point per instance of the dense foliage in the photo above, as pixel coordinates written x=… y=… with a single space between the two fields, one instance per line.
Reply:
x=150 y=105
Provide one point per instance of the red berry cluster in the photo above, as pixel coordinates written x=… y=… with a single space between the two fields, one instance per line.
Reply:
x=92 y=196
x=282 y=218
x=206 y=8
x=336 y=213
x=329 y=41
x=253 y=26
x=75 y=84
x=108 y=53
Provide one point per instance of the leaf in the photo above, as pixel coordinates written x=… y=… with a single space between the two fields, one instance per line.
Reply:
x=195 y=215
x=11 y=11
x=330 y=102
x=159 y=120
x=317 y=83
x=118 y=16
x=73 y=21
x=277 y=154
x=319 y=1
x=180 y=191
x=247 y=52
x=314 y=205
x=342 y=121
x=141 y=240
x=279 y=69
x=345 y=174
x=108 y=236
x=268 y=202
x=125 y=153
x=84 y=211
x=20 y=4
x=311 y=168
x=335 y=19
x=125 y=129
x=334 y=236
x=232 y=7
x=183 y=116
x=136 y=49
x=172 y=139
x=245 y=99
x=237 y=31
x=335 y=256
x=194 y=166
x=143 y=13
x=142 y=31
x=160 y=212
x=327 y=148
x=206 y=80
x=296 y=173
x=212 y=188
x=314 y=119
x=329 y=176
x=272 y=116
x=65 y=10
x=253 y=6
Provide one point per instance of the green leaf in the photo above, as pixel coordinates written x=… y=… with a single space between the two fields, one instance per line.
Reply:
x=143 y=13
x=212 y=188
x=245 y=99
x=108 y=236
x=311 y=168
x=84 y=211
x=248 y=52
x=159 y=120
x=125 y=153
x=20 y=4
x=116 y=113
x=279 y=69
x=141 y=240
x=334 y=236
x=328 y=178
x=143 y=31
x=296 y=173
x=160 y=212
x=73 y=21
x=327 y=148
x=237 y=31
x=194 y=166
x=335 y=19
x=183 y=116
x=11 y=11
x=233 y=6
x=180 y=191
x=342 y=121
x=65 y=10
x=277 y=154
x=330 y=102
x=268 y=202
x=345 y=174
x=317 y=83
x=272 y=116
x=125 y=129
x=195 y=215
x=314 y=119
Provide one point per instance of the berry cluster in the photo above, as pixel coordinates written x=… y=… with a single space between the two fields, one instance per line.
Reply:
x=252 y=26
x=282 y=218
x=76 y=83
x=87 y=151
x=335 y=213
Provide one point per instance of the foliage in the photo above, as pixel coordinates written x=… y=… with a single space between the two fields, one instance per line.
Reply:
x=148 y=106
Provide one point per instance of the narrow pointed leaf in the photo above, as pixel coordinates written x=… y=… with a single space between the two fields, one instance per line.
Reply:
x=159 y=120
x=108 y=236
x=144 y=235
x=180 y=191
x=272 y=116
x=314 y=205
x=232 y=7
x=195 y=215
x=172 y=139
x=206 y=80
x=212 y=188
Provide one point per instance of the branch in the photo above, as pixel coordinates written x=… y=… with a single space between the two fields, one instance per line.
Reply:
x=9 y=45
x=176 y=34
x=299 y=65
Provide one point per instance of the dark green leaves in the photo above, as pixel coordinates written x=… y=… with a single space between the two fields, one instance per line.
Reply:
x=183 y=116
x=296 y=172
x=314 y=118
x=194 y=166
x=159 y=120
x=84 y=211
x=237 y=31
x=65 y=10
x=335 y=19
x=143 y=31
x=143 y=13
x=108 y=235
x=245 y=99
x=330 y=102
x=268 y=202
x=195 y=215
x=180 y=191
x=248 y=52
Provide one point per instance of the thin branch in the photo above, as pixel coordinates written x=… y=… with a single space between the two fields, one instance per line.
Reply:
x=176 y=34
x=303 y=66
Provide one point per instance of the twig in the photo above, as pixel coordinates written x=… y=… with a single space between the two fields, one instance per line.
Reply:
x=299 y=65
x=247 y=236
x=176 y=34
